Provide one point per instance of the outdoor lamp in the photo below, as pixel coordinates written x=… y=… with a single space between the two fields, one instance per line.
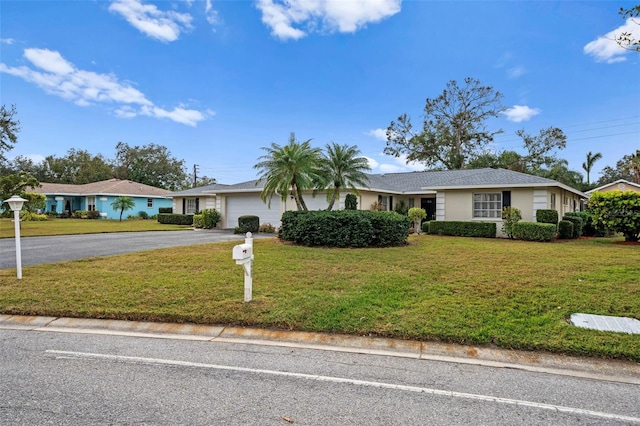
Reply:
x=15 y=204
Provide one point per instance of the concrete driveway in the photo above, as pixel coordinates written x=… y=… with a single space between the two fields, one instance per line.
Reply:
x=38 y=250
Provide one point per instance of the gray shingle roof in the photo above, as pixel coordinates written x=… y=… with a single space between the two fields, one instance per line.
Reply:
x=414 y=182
x=105 y=187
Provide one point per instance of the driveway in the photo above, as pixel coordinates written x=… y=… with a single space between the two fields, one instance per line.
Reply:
x=38 y=250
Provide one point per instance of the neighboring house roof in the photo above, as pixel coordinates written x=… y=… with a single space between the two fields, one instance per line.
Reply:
x=115 y=187
x=619 y=181
x=414 y=182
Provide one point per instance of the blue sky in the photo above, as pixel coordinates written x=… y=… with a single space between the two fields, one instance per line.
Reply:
x=214 y=81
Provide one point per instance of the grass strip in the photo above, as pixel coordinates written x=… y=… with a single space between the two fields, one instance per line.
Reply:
x=504 y=293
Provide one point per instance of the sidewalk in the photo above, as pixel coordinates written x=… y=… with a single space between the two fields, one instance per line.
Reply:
x=588 y=368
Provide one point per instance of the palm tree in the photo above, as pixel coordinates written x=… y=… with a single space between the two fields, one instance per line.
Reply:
x=123 y=203
x=588 y=165
x=293 y=167
x=634 y=166
x=342 y=168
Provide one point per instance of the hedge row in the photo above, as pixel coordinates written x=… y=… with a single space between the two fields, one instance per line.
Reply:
x=463 y=229
x=175 y=219
x=533 y=231
x=86 y=214
x=345 y=228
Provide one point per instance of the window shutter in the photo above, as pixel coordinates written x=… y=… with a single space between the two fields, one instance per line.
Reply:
x=506 y=199
x=184 y=205
x=197 y=204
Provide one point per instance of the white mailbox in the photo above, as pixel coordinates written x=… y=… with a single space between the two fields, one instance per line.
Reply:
x=242 y=252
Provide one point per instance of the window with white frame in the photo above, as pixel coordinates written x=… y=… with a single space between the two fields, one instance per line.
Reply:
x=384 y=202
x=149 y=202
x=487 y=205
x=553 y=201
x=91 y=203
x=412 y=202
x=190 y=206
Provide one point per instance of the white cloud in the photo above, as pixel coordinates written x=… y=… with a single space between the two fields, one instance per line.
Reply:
x=399 y=165
x=516 y=71
x=378 y=134
x=148 y=19
x=605 y=48
x=283 y=16
x=57 y=76
x=6 y=40
x=519 y=113
x=210 y=13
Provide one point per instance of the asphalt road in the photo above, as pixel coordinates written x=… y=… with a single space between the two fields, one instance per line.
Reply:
x=88 y=379
x=38 y=250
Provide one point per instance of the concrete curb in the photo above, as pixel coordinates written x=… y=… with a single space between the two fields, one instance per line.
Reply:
x=588 y=368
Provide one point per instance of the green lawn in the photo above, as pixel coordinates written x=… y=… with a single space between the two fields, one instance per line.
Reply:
x=510 y=294
x=81 y=226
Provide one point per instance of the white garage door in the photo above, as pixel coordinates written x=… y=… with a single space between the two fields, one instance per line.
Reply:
x=252 y=205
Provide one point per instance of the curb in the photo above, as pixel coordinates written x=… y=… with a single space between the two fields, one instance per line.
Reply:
x=588 y=368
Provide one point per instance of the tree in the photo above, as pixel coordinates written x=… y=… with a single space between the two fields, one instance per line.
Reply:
x=123 y=203
x=453 y=126
x=625 y=169
x=416 y=214
x=559 y=171
x=294 y=167
x=541 y=148
x=617 y=211
x=76 y=167
x=9 y=126
x=342 y=167
x=588 y=165
x=15 y=184
x=510 y=216
x=627 y=40
x=149 y=164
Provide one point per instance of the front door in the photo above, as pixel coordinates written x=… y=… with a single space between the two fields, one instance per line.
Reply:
x=429 y=206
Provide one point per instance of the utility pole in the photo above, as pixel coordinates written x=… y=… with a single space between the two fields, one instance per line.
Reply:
x=195 y=175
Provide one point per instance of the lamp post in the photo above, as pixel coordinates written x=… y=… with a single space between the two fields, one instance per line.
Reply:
x=15 y=204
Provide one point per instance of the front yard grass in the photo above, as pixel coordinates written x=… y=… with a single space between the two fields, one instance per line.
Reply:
x=81 y=226
x=510 y=294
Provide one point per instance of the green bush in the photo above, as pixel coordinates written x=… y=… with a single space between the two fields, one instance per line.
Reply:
x=534 y=231
x=565 y=229
x=588 y=229
x=175 y=219
x=248 y=223
x=198 y=221
x=425 y=227
x=510 y=215
x=344 y=228
x=143 y=215
x=547 y=216
x=27 y=216
x=578 y=225
x=350 y=202
x=463 y=229
x=617 y=211
x=401 y=208
x=211 y=217
x=168 y=210
x=267 y=228
x=86 y=214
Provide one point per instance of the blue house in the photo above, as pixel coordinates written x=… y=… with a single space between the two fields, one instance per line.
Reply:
x=98 y=196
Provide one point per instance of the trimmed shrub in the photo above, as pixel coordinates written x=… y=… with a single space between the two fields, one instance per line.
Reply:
x=588 y=228
x=578 y=224
x=534 y=231
x=27 y=216
x=86 y=214
x=175 y=219
x=617 y=211
x=425 y=227
x=211 y=217
x=416 y=214
x=168 y=210
x=350 y=202
x=510 y=215
x=463 y=229
x=247 y=223
x=198 y=221
x=344 y=228
x=143 y=215
x=565 y=229
x=547 y=216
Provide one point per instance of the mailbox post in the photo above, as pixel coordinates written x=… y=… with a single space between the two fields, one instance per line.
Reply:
x=243 y=255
